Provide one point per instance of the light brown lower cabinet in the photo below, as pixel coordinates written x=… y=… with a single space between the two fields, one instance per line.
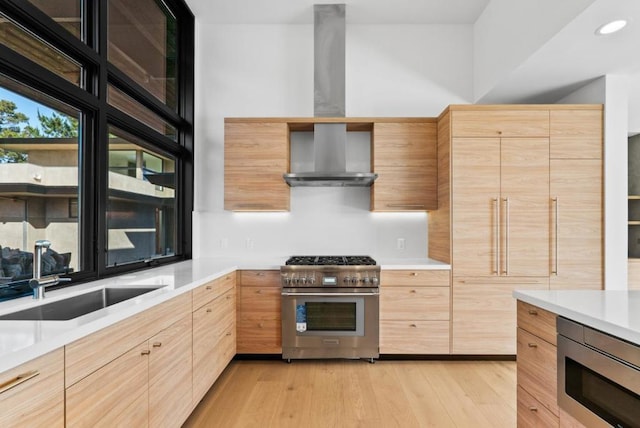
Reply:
x=116 y=395
x=531 y=414
x=259 y=327
x=414 y=312
x=214 y=334
x=32 y=394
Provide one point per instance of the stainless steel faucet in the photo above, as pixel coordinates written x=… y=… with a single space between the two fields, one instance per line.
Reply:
x=38 y=282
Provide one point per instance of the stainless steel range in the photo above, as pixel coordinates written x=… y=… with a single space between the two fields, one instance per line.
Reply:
x=330 y=307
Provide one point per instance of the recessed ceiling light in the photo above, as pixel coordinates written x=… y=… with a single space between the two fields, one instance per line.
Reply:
x=611 y=27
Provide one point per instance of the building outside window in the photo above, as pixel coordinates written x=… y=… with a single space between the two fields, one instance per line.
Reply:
x=96 y=140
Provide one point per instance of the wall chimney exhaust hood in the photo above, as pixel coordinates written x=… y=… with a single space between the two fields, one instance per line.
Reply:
x=329 y=139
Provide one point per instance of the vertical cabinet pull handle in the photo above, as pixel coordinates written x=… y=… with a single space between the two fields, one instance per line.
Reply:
x=18 y=380
x=555 y=233
x=506 y=240
x=497 y=235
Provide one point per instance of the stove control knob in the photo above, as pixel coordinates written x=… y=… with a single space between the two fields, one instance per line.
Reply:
x=365 y=280
x=287 y=280
x=346 y=280
x=374 y=280
x=354 y=280
x=303 y=280
x=311 y=280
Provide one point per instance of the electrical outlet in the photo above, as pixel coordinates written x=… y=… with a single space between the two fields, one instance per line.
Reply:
x=224 y=243
x=400 y=243
x=249 y=243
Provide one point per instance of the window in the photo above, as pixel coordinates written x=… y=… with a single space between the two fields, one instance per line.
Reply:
x=141 y=212
x=96 y=139
x=151 y=60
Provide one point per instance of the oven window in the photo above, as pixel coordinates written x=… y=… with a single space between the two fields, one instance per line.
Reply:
x=612 y=402
x=331 y=316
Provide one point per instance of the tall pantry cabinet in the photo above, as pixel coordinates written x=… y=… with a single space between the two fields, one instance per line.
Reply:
x=509 y=210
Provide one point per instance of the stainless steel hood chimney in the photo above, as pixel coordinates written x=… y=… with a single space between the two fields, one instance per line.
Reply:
x=329 y=139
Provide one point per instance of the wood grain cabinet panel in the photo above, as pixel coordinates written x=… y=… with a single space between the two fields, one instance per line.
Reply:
x=115 y=395
x=531 y=414
x=484 y=313
x=425 y=278
x=259 y=329
x=206 y=293
x=577 y=224
x=423 y=303
x=32 y=394
x=537 y=369
x=255 y=157
x=537 y=321
x=405 y=159
x=414 y=337
x=576 y=133
x=170 y=375
x=414 y=311
x=214 y=326
x=500 y=123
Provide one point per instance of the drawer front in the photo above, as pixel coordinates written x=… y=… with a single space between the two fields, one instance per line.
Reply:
x=37 y=400
x=537 y=321
x=500 y=123
x=115 y=395
x=432 y=278
x=260 y=278
x=86 y=355
x=414 y=337
x=208 y=292
x=537 y=369
x=421 y=303
x=260 y=303
x=259 y=336
x=531 y=414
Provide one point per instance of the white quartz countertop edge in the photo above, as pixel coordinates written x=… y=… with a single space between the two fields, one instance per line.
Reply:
x=616 y=312
x=21 y=341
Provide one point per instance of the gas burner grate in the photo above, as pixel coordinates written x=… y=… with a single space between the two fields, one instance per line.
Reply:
x=331 y=260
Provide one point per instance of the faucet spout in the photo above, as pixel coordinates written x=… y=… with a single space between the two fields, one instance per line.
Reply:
x=38 y=283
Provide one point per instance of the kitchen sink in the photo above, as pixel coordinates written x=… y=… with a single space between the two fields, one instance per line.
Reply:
x=76 y=306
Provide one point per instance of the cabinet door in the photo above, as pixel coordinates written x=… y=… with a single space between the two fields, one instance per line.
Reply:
x=525 y=206
x=576 y=192
x=500 y=123
x=259 y=326
x=116 y=395
x=170 y=375
x=576 y=134
x=211 y=323
x=484 y=313
x=405 y=158
x=414 y=303
x=475 y=204
x=255 y=157
x=33 y=393
x=414 y=337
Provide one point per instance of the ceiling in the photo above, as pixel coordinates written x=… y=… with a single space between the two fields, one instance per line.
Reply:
x=358 y=11
x=561 y=63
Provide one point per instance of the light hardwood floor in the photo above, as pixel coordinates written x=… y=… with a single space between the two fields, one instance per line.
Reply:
x=309 y=394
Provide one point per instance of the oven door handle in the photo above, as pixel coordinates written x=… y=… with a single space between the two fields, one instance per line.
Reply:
x=294 y=294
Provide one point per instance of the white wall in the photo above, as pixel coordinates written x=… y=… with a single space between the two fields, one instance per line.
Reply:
x=508 y=32
x=612 y=91
x=267 y=70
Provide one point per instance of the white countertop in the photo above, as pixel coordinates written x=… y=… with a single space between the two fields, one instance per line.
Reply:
x=21 y=341
x=616 y=312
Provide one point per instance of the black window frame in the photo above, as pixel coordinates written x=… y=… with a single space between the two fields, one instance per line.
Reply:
x=97 y=73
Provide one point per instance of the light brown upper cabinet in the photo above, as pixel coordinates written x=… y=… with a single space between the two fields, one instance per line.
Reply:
x=520 y=206
x=256 y=154
x=576 y=197
x=501 y=206
x=405 y=158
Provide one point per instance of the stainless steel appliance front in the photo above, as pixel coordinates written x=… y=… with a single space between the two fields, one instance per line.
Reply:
x=330 y=307
x=598 y=376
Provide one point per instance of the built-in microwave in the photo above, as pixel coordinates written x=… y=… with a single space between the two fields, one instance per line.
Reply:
x=598 y=376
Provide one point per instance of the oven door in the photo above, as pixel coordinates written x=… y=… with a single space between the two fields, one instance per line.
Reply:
x=335 y=324
x=595 y=388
